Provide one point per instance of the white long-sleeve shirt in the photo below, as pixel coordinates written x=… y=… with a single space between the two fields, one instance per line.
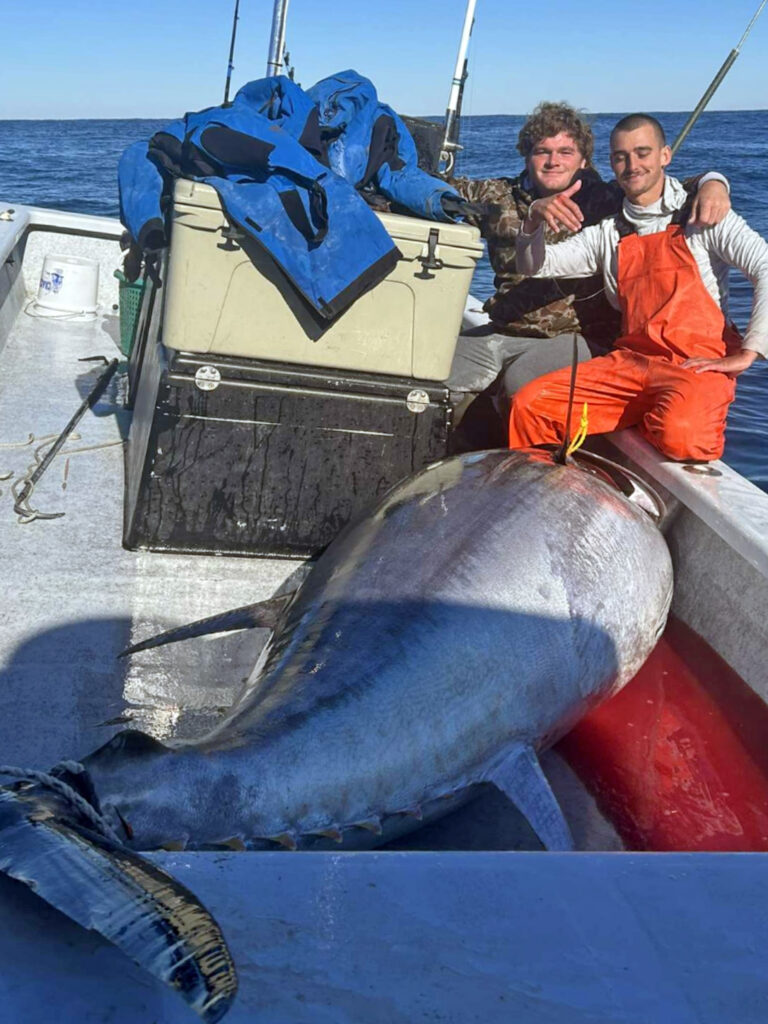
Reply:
x=731 y=243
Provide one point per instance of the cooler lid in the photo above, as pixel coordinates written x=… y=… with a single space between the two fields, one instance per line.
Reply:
x=195 y=193
x=414 y=229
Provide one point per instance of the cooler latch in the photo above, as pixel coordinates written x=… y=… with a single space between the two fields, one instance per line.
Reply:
x=430 y=262
x=233 y=238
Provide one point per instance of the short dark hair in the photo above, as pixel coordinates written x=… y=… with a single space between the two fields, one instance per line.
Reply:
x=634 y=121
x=550 y=119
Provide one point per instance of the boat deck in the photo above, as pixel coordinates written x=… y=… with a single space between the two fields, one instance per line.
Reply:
x=455 y=933
x=417 y=938
x=74 y=597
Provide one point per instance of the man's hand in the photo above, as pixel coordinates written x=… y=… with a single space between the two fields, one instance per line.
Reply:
x=730 y=365
x=710 y=204
x=457 y=206
x=558 y=211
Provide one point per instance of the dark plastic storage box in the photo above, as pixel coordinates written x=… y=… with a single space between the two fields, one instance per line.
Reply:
x=240 y=456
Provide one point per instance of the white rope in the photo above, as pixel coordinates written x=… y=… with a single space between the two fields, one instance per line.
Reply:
x=91 y=447
x=31 y=439
x=29 y=309
x=56 y=784
x=39 y=454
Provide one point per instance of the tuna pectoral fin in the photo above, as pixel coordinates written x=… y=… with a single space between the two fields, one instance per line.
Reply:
x=263 y=615
x=107 y=888
x=520 y=777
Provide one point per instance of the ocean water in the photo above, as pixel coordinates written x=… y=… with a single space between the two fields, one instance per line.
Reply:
x=72 y=165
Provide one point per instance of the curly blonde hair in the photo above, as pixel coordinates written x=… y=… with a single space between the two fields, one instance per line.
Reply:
x=550 y=119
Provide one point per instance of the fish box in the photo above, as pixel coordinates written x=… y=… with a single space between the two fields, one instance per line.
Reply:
x=247 y=457
x=226 y=295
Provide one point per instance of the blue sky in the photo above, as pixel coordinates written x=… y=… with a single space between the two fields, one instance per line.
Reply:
x=159 y=58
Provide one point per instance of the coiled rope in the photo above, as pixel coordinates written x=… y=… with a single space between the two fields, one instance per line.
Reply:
x=70 y=794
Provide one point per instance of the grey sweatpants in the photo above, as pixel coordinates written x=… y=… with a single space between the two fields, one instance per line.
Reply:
x=482 y=354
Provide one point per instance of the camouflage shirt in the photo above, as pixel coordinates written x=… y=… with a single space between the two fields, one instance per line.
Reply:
x=542 y=307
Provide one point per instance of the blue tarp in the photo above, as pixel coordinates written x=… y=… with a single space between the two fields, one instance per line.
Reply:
x=289 y=167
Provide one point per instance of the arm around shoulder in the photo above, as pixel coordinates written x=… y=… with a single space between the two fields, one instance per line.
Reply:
x=479 y=190
x=711 y=201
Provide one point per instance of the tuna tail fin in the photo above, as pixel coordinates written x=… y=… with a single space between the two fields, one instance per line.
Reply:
x=263 y=615
x=520 y=777
x=107 y=888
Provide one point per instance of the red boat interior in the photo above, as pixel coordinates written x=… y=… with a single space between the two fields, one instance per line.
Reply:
x=678 y=760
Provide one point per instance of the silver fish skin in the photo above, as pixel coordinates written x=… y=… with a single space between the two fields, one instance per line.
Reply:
x=487 y=604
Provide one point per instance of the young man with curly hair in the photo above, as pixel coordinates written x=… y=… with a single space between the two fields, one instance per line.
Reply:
x=533 y=320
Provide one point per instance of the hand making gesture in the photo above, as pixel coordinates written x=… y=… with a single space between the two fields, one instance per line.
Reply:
x=558 y=211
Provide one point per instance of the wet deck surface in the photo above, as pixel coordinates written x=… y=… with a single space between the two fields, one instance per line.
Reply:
x=344 y=939
x=73 y=597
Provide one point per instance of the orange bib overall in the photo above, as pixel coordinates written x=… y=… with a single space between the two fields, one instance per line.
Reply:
x=668 y=317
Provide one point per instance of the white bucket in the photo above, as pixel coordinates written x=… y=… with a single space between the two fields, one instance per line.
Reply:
x=69 y=288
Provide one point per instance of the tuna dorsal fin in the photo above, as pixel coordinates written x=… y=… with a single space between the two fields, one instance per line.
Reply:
x=521 y=778
x=262 y=615
x=107 y=888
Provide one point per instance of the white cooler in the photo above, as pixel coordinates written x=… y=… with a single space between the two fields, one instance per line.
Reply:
x=227 y=296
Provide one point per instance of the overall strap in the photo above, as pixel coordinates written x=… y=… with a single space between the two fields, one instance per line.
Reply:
x=623 y=226
x=682 y=215
x=679 y=217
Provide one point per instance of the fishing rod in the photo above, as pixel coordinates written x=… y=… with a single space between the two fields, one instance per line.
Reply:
x=277 y=38
x=452 y=113
x=715 y=83
x=230 y=65
x=562 y=452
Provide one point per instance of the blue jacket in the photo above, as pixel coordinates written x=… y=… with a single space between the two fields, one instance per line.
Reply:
x=142 y=185
x=370 y=145
x=268 y=157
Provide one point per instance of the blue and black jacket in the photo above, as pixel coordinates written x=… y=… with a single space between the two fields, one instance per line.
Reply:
x=290 y=168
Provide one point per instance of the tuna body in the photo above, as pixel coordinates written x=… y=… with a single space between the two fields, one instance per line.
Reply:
x=490 y=601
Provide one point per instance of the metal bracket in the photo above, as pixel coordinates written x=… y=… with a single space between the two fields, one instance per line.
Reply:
x=417 y=400
x=701 y=470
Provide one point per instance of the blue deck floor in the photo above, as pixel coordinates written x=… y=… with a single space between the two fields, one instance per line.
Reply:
x=459 y=938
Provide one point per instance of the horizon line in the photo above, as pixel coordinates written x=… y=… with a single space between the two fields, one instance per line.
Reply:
x=440 y=117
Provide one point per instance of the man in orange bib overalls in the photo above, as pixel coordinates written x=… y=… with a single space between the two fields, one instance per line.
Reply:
x=672 y=370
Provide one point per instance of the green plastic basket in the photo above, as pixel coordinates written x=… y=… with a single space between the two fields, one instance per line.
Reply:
x=131 y=294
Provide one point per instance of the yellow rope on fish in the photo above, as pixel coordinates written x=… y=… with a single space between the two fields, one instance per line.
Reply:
x=581 y=434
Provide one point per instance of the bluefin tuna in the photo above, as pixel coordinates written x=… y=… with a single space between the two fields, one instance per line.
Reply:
x=442 y=642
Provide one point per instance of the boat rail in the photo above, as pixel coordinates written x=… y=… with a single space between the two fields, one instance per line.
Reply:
x=17 y=220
